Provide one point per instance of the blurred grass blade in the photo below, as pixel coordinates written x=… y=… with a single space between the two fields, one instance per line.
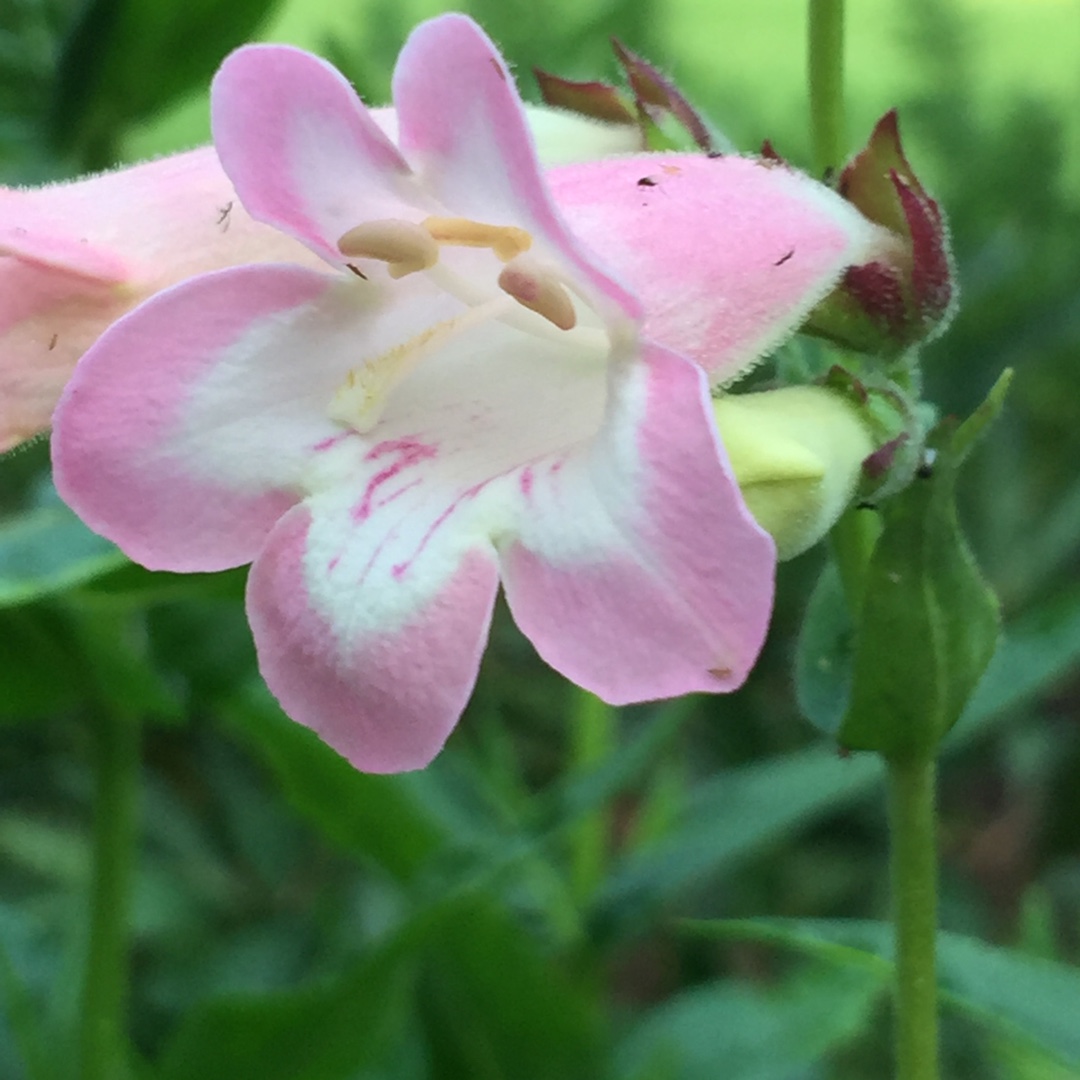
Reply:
x=727 y=819
x=757 y=1032
x=22 y=1017
x=47 y=550
x=1016 y=996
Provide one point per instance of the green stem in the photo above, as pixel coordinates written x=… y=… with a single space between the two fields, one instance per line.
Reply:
x=912 y=822
x=593 y=737
x=826 y=65
x=105 y=983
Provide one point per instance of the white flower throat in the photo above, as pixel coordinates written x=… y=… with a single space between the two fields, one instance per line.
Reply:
x=406 y=248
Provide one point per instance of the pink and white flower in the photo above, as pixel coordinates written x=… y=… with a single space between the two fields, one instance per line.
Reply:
x=468 y=392
x=76 y=257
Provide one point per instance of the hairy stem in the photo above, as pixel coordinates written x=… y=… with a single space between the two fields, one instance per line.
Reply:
x=826 y=66
x=913 y=828
x=105 y=983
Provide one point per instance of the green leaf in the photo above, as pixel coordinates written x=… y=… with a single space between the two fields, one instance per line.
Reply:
x=758 y=1033
x=46 y=550
x=730 y=818
x=928 y=624
x=37 y=678
x=326 y=1032
x=495 y=1005
x=387 y=819
x=126 y=60
x=1015 y=995
x=825 y=653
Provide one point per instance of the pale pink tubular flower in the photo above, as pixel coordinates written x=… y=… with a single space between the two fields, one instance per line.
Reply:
x=462 y=395
x=75 y=257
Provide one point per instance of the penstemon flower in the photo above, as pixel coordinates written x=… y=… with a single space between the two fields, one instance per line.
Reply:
x=76 y=256
x=471 y=390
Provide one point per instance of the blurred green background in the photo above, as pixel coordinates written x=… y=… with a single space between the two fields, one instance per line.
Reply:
x=515 y=911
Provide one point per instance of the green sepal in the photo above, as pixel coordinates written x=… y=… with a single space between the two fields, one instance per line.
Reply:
x=929 y=623
x=926 y=624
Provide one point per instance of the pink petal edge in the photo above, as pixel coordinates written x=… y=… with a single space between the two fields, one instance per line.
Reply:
x=112 y=457
x=656 y=582
x=387 y=701
x=304 y=154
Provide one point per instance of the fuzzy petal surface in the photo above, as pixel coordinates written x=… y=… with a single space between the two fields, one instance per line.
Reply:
x=381 y=672
x=728 y=255
x=187 y=462
x=303 y=152
x=75 y=257
x=639 y=573
x=462 y=125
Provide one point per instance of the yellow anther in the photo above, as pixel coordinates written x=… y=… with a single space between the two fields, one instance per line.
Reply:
x=507 y=241
x=539 y=290
x=403 y=245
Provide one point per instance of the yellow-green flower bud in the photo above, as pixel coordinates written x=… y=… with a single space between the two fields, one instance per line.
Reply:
x=796 y=453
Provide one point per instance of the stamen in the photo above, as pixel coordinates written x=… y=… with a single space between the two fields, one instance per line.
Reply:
x=404 y=246
x=507 y=241
x=539 y=290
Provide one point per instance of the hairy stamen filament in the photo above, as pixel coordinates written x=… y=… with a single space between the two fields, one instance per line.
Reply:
x=507 y=241
x=359 y=401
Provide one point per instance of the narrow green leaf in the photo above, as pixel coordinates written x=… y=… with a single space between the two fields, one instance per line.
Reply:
x=727 y=819
x=383 y=818
x=47 y=550
x=757 y=1033
x=1015 y=995
x=928 y=626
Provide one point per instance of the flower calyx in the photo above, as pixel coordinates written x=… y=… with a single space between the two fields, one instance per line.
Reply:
x=654 y=104
x=908 y=294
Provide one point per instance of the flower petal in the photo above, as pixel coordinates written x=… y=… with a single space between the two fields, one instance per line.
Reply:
x=728 y=254
x=463 y=127
x=187 y=462
x=378 y=660
x=639 y=573
x=303 y=152
x=81 y=254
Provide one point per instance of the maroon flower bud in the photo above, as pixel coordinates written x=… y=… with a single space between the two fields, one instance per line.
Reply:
x=907 y=295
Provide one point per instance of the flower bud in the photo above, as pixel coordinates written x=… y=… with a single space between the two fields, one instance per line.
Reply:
x=797 y=455
x=652 y=109
x=908 y=293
